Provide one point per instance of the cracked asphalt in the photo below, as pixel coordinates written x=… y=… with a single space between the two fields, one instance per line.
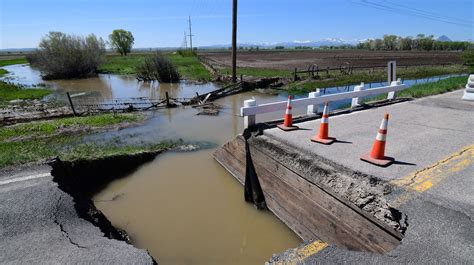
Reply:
x=39 y=225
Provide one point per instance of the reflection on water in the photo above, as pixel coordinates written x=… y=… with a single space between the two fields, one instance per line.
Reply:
x=107 y=86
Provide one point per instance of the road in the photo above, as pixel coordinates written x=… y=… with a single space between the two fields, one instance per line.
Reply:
x=39 y=225
x=432 y=140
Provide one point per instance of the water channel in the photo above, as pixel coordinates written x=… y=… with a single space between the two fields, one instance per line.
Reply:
x=183 y=206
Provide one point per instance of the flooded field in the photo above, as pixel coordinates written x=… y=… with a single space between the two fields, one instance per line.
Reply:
x=183 y=206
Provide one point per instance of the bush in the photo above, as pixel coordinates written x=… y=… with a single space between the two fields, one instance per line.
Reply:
x=63 y=56
x=187 y=53
x=468 y=57
x=157 y=67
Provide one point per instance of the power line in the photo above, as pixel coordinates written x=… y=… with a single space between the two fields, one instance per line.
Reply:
x=404 y=10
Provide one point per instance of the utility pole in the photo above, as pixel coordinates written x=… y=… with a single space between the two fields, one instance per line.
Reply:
x=234 y=41
x=185 y=41
x=190 y=35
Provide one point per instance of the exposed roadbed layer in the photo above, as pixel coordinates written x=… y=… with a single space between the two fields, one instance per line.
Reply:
x=52 y=220
x=364 y=191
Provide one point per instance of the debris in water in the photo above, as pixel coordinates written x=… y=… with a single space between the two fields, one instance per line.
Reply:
x=208 y=109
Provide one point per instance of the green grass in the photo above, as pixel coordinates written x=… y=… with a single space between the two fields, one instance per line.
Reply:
x=3 y=71
x=258 y=72
x=189 y=67
x=427 y=89
x=39 y=141
x=50 y=127
x=12 y=61
x=336 y=79
x=122 y=65
x=10 y=91
x=67 y=148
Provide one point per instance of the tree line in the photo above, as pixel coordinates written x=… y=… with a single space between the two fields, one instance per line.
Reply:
x=421 y=42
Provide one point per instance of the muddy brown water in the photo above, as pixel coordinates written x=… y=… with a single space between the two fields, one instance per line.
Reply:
x=183 y=206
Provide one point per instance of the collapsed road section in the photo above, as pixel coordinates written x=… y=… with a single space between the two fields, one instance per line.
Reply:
x=327 y=193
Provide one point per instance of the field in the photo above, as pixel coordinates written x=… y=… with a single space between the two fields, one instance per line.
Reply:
x=288 y=60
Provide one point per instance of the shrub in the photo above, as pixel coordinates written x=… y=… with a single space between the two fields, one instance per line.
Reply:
x=468 y=57
x=63 y=56
x=157 y=67
x=187 y=53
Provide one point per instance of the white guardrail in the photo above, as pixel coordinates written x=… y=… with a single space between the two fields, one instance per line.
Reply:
x=251 y=109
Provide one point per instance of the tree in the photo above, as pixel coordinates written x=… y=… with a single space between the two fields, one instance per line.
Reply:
x=406 y=44
x=390 y=42
x=121 y=41
x=63 y=56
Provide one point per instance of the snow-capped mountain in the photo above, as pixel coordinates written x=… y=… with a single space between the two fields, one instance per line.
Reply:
x=295 y=43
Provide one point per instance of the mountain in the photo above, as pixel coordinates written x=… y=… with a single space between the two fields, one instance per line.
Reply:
x=292 y=44
x=443 y=38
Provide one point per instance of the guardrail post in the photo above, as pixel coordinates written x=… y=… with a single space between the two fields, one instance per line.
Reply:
x=313 y=109
x=249 y=120
x=356 y=101
x=392 y=95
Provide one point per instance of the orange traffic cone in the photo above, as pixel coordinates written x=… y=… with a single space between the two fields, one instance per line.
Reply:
x=377 y=155
x=323 y=137
x=288 y=122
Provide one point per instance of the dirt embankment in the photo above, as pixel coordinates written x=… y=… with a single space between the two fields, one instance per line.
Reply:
x=288 y=60
x=82 y=178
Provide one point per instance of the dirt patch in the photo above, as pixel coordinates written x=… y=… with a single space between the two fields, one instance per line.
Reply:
x=288 y=60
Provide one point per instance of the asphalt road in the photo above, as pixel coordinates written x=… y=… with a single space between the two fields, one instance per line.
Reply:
x=433 y=141
x=39 y=225
x=441 y=229
x=420 y=133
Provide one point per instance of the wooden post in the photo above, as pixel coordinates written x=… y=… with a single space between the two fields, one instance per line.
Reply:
x=234 y=41
x=313 y=109
x=295 y=77
x=70 y=102
x=167 y=100
x=249 y=120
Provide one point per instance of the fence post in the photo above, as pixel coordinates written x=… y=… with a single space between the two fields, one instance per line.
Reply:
x=249 y=120
x=392 y=77
x=70 y=102
x=356 y=100
x=295 y=76
x=313 y=109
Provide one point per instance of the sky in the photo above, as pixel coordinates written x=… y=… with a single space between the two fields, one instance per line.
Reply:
x=158 y=23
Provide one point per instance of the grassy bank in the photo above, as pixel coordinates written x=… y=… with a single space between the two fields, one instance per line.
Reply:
x=10 y=91
x=336 y=79
x=258 y=72
x=23 y=143
x=188 y=67
x=427 y=89
x=5 y=62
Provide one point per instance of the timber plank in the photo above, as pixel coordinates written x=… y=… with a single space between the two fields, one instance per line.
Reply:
x=306 y=208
